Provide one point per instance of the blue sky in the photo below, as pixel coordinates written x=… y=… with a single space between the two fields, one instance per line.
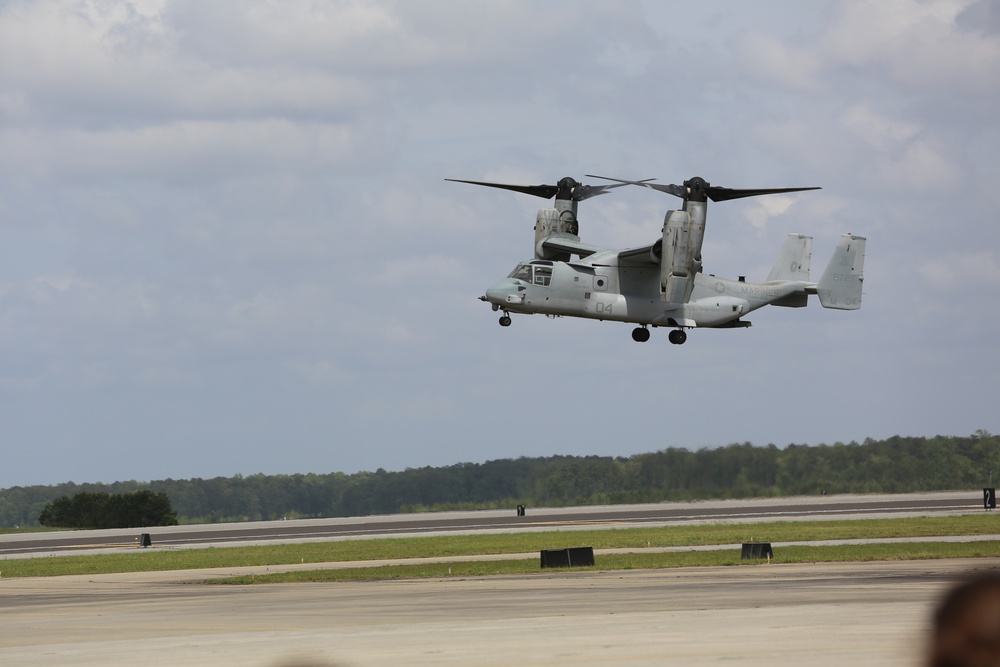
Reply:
x=227 y=245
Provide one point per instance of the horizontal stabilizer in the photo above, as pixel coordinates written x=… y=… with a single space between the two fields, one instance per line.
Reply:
x=840 y=286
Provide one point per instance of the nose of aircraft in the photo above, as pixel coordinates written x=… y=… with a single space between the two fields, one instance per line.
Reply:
x=504 y=292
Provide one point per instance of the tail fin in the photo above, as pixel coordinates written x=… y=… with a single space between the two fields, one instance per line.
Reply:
x=840 y=286
x=793 y=261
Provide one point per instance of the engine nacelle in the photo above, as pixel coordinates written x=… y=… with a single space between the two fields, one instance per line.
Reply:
x=656 y=252
x=680 y=251
x=675 y=257
x=559 y=222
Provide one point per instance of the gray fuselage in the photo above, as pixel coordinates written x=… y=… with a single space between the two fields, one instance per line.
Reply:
x=602 y=287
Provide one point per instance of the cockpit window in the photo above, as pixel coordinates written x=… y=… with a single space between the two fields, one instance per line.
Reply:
x=534 y=274
x=522 y=272
x=543 y=275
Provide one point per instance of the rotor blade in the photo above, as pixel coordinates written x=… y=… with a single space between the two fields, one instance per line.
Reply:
x=644 y=183
x=588 y=191
x=671 y=189
x=725 y=194
x=713 y=193
x=543 y=191
x=567 y=188
x=619 y=180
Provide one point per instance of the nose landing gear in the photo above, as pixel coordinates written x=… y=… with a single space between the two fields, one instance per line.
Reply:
x=505 y=319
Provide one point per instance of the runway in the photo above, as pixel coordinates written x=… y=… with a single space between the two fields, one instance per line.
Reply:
x=535 y=519
x=760 y=615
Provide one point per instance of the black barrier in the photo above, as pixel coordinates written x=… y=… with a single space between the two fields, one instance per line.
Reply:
x=555 y=558
x=580 y=556
x=520 y=510
x=752 y=550
x=990 y=499
x=572 y=557
x=145 y=540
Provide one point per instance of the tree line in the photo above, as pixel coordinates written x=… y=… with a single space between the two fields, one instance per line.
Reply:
x=109 y=510
x=894 y=465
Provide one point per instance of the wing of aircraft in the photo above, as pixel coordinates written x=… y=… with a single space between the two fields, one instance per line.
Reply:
x=647 y=255
x=562 y=244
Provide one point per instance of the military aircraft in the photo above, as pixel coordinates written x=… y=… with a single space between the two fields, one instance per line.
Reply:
x=661 y=284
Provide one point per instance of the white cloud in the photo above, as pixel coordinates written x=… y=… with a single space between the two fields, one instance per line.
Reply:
x=421 y=273
x=210 y=150
x=958 y=274
x=768 y=58
x=904 y=159
x=882 y=133
x=766 y=208
x=916 y=45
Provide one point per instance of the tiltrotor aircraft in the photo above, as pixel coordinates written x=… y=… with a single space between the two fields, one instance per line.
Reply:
x=661 y=284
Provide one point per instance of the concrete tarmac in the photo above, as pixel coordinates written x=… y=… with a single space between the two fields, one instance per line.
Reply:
x=760 y=615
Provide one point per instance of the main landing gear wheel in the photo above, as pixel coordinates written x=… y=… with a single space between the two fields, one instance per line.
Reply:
x=677 y=336
x=505 y=321
x=640 y=334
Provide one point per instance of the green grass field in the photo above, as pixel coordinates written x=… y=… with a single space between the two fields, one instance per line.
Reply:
x=154 y=559
x=636 y=561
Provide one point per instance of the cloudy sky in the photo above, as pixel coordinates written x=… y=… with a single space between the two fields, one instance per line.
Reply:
x=227 y=245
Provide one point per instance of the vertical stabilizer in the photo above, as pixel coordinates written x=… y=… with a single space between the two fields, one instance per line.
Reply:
x=794 y=259
x=840 y=286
